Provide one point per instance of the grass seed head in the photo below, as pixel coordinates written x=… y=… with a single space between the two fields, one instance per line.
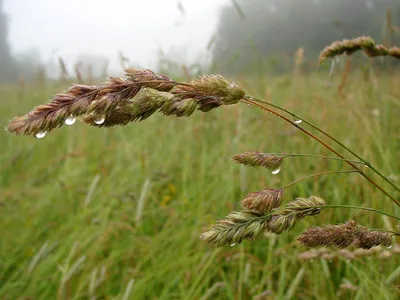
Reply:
x=258 y=159
x=118 y=101
x=344 y=235
x=263 y=201
x=364 y=43
x=232 y=230
x=294 y=211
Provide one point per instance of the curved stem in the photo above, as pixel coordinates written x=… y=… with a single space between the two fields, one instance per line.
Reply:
x=318 y=156
x=330 y=137
x=316 y=175
x=248 y=101
x=359 y=208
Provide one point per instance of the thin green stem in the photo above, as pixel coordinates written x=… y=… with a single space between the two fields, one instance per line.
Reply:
x=359 y=208
x=316 y=175
x=263 y=107
x=318 y=156
x=330 y=137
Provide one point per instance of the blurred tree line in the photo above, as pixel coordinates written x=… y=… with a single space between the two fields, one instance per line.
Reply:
x=8 y=69
x=25 y=64
x=28 y=64
x=267 y=32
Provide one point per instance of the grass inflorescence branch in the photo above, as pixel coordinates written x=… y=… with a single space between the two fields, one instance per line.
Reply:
x=344 y=235
x=249 y=224
x=123 y=100
x=364 y=43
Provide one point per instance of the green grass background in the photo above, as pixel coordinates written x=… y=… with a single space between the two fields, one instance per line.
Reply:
x=68 y=202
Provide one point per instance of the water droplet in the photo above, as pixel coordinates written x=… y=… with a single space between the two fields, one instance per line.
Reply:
x=233 y=244
x=332 y=69
x=99 y=119
x=389 y=247
x=276 y=171
x=298 y=121
x=41 y=134
x=70 y=120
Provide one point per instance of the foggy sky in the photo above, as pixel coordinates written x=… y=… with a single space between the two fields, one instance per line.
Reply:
x=138 y=28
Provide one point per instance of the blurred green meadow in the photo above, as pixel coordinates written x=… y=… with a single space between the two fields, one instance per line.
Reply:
x=89 y=213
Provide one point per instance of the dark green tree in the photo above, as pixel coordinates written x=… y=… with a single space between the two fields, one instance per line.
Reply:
x=255 y=32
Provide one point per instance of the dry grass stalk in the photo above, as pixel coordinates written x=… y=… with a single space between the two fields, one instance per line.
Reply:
x=115 y=102
x=344 y=235
x=298 y=61
x=63 y=70
x=345 y=76
x=363 y=43
x=258 y=159
x=78 y=74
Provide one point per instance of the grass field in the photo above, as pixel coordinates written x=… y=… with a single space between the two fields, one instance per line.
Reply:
x=71 y=227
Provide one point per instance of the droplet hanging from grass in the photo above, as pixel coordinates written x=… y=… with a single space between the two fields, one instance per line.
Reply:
x=41 y=134
x=70 y=120
x=99 y=119
x=298 y=121
x=276 y=171
x=233 y=244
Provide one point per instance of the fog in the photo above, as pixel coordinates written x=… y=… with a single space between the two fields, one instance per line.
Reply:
x=140 y=29
x=249 y=36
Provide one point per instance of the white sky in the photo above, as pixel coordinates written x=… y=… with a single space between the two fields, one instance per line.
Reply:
x=138 y=28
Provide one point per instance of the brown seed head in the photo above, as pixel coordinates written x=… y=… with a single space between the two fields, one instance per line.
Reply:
x=263 y=201
x=347 y=47
x=118 y=101
x=258 y=159
x=366 y=44
x=344 y=235
x=367 y=238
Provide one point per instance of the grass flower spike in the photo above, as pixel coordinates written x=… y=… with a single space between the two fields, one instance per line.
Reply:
x=249 y=224
x=258 y=159
x=344 y=235
x=263 y=201
x=123 y=100
x=366 y=44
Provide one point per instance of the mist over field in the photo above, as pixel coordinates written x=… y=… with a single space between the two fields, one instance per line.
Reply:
x=214 y=149
x=139 y=29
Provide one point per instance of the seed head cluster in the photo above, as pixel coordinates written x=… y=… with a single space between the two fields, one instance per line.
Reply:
x=258 y=159
x=344 y=235
x=249 y=224
x=263 y=201
x=363 y=43
x=133 y=98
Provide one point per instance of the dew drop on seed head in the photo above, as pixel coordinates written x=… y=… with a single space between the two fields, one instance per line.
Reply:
x=276 y=171
x=389 y=247
x=40 y=134
x=99 y=119
x=70 y=120
x=298 y=121
x=233 y=244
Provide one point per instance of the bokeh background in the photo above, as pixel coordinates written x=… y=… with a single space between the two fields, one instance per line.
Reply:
x=89 y=213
